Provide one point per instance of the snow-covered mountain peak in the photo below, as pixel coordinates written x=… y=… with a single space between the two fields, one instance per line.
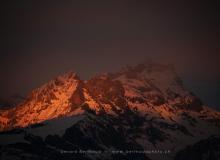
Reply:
x=54 y=99
x=155 y=84
x=140 y=88
x=144 y=107
x=68 y=76
x=59 y=86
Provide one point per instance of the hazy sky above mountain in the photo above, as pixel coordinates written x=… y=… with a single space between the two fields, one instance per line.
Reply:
x=42 y=39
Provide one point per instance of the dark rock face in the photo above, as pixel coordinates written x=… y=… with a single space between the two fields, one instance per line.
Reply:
x=77 y=97
x=194 y=103
x=106 y=91
x=156 y=99
x=208 y=149
x=174 y=127
x=154 y=134
x=171 y=94
x=191 y=103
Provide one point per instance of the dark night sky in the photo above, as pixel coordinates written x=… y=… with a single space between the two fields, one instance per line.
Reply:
x=42 y=39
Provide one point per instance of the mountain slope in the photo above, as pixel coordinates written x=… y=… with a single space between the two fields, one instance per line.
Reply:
x=141 y=108
x=57 y=98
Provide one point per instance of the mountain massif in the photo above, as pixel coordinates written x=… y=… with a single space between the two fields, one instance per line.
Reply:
x=140 y=112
